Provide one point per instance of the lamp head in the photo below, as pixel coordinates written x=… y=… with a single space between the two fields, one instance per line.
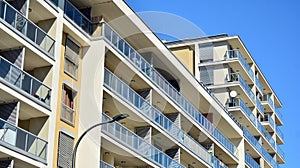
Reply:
x=119 y=117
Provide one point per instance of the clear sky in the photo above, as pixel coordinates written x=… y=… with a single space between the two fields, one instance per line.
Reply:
x=270 y=30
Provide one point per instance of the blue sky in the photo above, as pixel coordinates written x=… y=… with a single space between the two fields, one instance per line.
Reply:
x=270 y=31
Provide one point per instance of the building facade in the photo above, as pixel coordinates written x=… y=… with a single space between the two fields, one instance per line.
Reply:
x=66 y=65
x=224 y=65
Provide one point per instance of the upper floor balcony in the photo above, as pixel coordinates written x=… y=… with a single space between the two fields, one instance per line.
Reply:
x=132 y=141
x=266 y=99
x=25 y=28
x=259 y=85
x=23 y=142
x=262 y=130
x=250 y=161
x=260 y=107
x=251 y=139
x=279 y=135
x=237 y=102
x=24 y=83
x=269 y=122
x=236 y=54
x=278 y=116
x=158 y=80
x=118 y=87
x=236 y=77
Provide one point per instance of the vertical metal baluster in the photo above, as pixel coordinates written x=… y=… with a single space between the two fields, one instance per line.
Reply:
x=4 y=11
x=35 y=36
x=26 y=142
x=36 y=147
x=31 y=87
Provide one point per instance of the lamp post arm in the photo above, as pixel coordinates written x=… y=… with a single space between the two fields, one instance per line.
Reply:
x=81 y=137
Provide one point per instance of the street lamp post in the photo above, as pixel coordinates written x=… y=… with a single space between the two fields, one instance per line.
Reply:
x=115 y=118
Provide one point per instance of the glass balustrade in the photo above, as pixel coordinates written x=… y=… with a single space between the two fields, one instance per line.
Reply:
x=267 y=98
x=22 y=80
x=137 y=144
x=117 y=86
x=279 y=132
x=78 y=18
x=23 y=141
x=139 y=62
x=259 y=85
x=259 y=147
x=236 y=77
x=280 y=151
x=19 y=23
x=279 y=114
x=260 y=106
x=236 y=54
x=269 y=119
x=105 y=165
x=251 y=162
x=245 y=109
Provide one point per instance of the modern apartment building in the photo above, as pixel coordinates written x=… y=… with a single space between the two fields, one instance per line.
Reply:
x=224 y=65
x=66 y=65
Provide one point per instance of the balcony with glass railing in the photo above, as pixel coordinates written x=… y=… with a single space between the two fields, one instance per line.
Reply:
x=17 y=22
x=22 y=141
x=78 y=18
x=266 y=134
x=132 y=141
x=279 y=114
x=260 y=107
x=268 y=118
x=279 y=132
x=117 y=86
x=23 y=82
x=105 y=165
x=236 y=77
x=267 y=98
x=259 y=85
x=239 y=103
x=250 y=161
x=281 y=153
x=154 y=76
x=259 y=147
x=236 y=54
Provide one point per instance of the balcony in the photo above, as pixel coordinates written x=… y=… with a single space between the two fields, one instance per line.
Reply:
x=236 y=54
x=268 y=119
x=22 y=141
x=13 y=19
x=236 y=77
x=259 y=85
x=259 y=148
x=279 y=133
x=280 y=152
x=267 y=98
x=260 y=107
x=157 y=79
x=105 y=165
x=26 y=84
x=239 y=103
x=121 y=89
x=132 y=141
x=279 y=114
x=77 y=17
x=251 y=162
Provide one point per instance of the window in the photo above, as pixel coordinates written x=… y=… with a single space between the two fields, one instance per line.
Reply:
x=67 y=113
x=65 y=148
x=71 y=57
